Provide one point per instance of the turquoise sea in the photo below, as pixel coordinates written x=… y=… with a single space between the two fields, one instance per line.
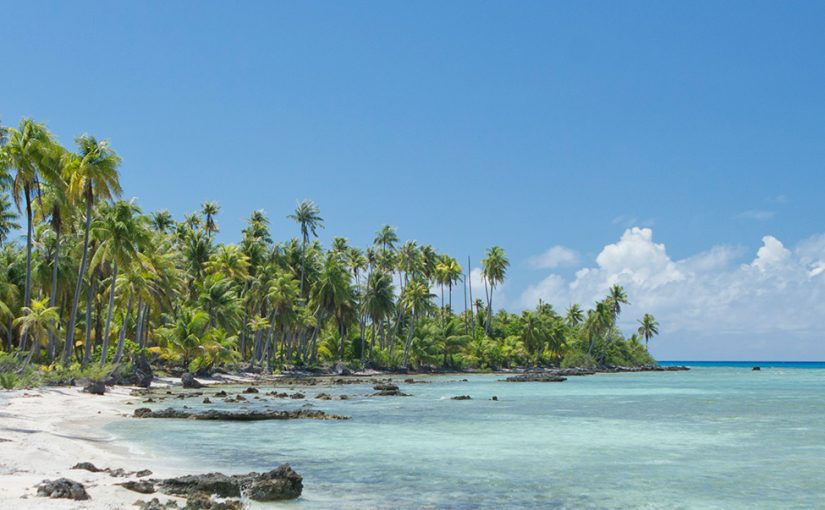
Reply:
x=721 y=437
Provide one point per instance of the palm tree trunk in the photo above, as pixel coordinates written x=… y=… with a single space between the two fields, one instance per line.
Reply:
x=372 y=343
x=53 y=293
x=87 y=355
x=409 y=338
x=104 y=352
x=123 y=328
x=27 y=295
x=470 y=285
x=139 y=324
x=67 y=348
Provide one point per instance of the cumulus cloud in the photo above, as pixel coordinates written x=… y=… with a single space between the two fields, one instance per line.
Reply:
x=557 y=256
x=715 y=303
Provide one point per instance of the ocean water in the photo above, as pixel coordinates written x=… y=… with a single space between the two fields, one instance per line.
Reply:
x=714 y=437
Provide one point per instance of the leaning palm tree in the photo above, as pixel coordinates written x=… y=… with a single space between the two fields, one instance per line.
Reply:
x=25 y=152
x=494 y=269
x=308 y=216
x=38 y=320
x=94 y=177
x=648 y=327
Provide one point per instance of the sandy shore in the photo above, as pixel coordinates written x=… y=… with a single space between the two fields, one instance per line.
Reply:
x=44 y=432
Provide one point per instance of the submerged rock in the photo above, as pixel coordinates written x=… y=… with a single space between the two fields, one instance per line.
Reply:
x=461 y=397
x=215 y=414
x=250 y=390
x=756 y=368
x=323 y=396
x=189 y=382
x=62 y=488
x=279 y=484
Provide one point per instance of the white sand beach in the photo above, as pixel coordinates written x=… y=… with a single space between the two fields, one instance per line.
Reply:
x=44 y=432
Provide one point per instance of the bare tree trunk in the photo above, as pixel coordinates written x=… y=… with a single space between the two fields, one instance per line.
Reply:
x=53 y=293
x=408 y=344
x=470 y=284
x=27 y=296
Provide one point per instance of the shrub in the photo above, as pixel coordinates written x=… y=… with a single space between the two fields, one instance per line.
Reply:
x=578 y=359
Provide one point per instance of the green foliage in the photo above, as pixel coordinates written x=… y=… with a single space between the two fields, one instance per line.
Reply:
x=8 y=380
x=578 y=359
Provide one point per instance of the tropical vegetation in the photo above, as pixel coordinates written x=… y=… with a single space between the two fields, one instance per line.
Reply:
x=93 y=280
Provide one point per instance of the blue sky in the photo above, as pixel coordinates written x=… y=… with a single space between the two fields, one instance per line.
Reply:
x=466 y=124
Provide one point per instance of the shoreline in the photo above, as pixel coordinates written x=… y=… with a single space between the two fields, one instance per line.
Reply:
x=44 y=432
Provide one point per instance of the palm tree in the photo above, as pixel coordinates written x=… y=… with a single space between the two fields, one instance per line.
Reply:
x=615 y=299
x=7 y=218
x=25 y=152
x=415 y=298
x=648 y=327
x=94 y=177
x=378 y=304
x=210 y=210
x=120 y=232
x=494 y=269
x=574 y=315
x=162 y=220
x=308 y=216
x=38 y=320
x=386 y=238
x=187 y=334
x=332 y=295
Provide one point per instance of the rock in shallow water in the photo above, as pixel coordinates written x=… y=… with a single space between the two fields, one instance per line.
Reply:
x=214 y=414
x=189 y=382
x=279 y=484
x=536 y=378
x=62 y=488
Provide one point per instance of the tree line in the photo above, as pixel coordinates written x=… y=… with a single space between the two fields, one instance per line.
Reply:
x=98 y=281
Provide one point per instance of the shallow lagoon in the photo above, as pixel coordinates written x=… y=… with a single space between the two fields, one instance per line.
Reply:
x=709 y=438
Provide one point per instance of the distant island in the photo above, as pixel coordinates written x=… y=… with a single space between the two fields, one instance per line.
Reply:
x=100 y=286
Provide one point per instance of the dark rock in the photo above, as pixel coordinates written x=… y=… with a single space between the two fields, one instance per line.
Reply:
x=461 y=397
x=220 y=394
x=756 y=368
x=141 y=486
x=88 y=466
x=494 y=398
x=536 y=378
x=343 y=397
x=207 y=401
x=385 y=387
x=204 y=502
x=278 y=484
x=142 y=473
x=143 y=372
x=62 y=488
x=413 y=381
x=251 y=390
x=155 y=504
x=323 y=396
x=390 y=393
x=95 y=388
x=189 y=382
x=297 y=395
x=214 y=414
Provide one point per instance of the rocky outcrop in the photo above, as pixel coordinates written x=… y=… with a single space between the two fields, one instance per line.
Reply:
x=88 y=466
x=141 y=486
x=279 y=484
x=189 y=382
x=95 y=387
x=250 y=390
x=143 y=372
x=388 y=390
x=461 y=397
x=62 y=488
x=199 y=502
x=218 y=415
x=536 y=378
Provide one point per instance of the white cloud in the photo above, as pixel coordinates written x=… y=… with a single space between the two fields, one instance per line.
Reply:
x=709 y=305
x=557 y=256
